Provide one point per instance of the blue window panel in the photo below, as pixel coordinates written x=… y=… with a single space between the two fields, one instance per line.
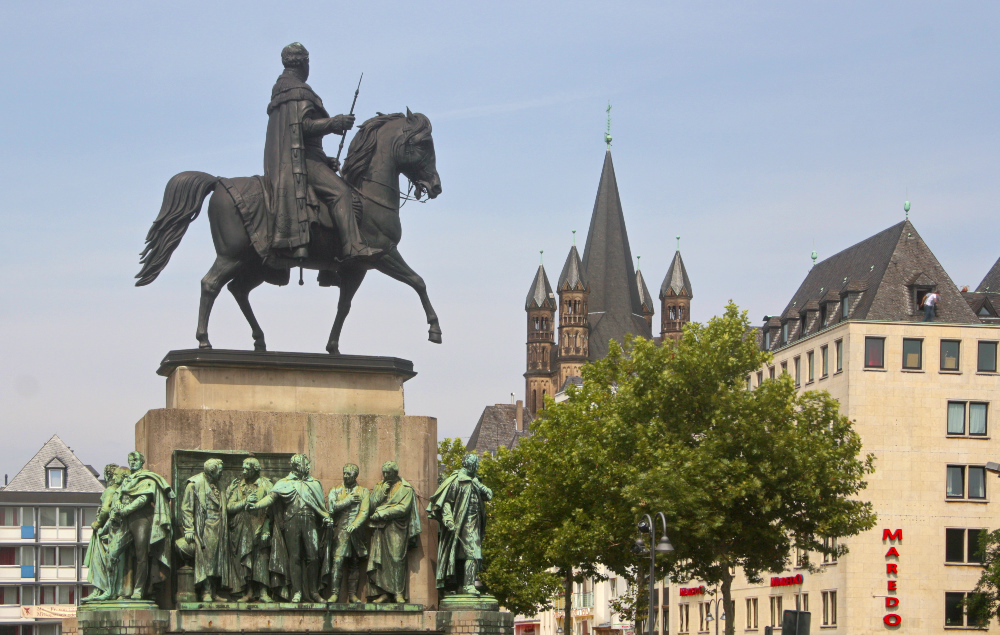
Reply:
x=28 y=531
x=27 y=571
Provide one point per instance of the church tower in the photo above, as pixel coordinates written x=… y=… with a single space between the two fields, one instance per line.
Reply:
x=574 y=329
x=539 y=378
x=675 y=299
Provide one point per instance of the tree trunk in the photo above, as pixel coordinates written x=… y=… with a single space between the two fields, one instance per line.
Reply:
x=568 y=617
x=727 y=602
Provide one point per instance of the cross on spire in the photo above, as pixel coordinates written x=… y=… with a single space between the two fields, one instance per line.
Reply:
x=607 y=133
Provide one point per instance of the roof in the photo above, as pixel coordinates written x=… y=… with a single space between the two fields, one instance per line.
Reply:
x=497 y=427
x=540 y=294
x=55 y=453
x=644 y=297
x=572 y=277
x=879 y=273
x=676 y=282
x=992 y=280
x=614 y=305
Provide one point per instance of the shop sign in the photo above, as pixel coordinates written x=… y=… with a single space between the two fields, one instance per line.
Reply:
x=49 y=611
x=892 y=571
x=696 y=590
x=788 y=580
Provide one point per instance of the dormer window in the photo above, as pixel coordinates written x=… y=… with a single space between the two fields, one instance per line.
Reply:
x=767 y=340
x=822 y=315
x=55 y=477
x=845 y=307
x=784 y=332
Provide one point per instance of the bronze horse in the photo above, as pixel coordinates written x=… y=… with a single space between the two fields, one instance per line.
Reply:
x=383 y=148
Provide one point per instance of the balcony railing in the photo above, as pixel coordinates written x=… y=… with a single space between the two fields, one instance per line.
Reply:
x=583 y=600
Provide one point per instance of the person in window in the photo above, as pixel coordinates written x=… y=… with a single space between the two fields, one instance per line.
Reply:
x=930 y=305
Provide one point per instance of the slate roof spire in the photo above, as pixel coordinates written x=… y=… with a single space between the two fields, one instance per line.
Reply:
x=614 y=305
x=676 y=282
x=540 y=294
x=572 y=278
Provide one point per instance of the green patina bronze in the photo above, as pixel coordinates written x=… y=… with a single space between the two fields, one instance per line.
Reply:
x=395 y=527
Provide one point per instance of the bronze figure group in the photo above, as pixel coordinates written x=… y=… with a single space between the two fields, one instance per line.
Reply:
x=254 y=540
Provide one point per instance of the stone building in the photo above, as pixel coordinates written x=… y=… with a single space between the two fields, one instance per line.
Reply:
x=921 y=395
x=601 y=297
x=45 y=516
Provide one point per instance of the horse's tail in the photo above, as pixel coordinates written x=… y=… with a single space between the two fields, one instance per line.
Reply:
x=182 y=202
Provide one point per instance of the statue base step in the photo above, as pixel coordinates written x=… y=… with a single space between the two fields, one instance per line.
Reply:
x=367 y=607
x=468 y=602
x=122 y=617
x=285 y=382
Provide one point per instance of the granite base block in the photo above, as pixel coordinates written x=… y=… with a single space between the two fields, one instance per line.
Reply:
x=373 y=619
x=122 y=617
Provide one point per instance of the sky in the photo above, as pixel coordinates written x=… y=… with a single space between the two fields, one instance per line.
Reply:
x=757 y=132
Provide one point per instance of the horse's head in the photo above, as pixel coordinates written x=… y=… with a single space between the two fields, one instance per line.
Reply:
x=415 y=155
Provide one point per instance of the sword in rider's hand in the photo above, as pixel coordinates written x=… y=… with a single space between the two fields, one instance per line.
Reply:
x=343 y=135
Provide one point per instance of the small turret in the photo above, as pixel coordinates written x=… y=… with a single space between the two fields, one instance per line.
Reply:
x=675 y=299
x=574 y=328
x=540 y=305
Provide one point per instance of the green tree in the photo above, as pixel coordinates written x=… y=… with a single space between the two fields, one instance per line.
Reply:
x=742 y=476
x=983 y=604
x=450 y=455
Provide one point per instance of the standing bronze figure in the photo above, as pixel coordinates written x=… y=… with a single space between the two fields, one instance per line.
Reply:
x=104 y=572
x=459 y=506
x=349 y=506
x=142 y=508
x=395 y=527
x=300 y=517
x=204 y=520
x=250 y=533
x=301 y=213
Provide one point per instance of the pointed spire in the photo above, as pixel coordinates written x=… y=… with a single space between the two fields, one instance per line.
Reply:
x=676 y=282
x=540 y=294
x=572 y=277
x=644 y=297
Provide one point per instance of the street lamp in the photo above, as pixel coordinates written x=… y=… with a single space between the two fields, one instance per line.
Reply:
x=722 y=616
x=646 y=526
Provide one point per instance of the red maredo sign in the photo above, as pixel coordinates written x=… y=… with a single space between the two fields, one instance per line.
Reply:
x=695 y=590
x=892 y=571
x=787 y=581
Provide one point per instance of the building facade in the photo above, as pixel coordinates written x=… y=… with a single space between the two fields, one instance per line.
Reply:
x=45 y=516
x=922 y=396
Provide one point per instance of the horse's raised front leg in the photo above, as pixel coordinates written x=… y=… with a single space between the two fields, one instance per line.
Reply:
x=393 y=265
x=350 y=280
x=241 y=286
x=223 y=270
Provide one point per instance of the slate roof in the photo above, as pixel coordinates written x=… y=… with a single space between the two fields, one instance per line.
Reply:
x=540 y=294
x=644 y=298
x=992 y=280
x=496 y=427
x=877 y=274
x=614 y=305
x=79 y=477
x=572 y=277
x=676 y=282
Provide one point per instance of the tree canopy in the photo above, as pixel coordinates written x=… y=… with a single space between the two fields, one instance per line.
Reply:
x=742 y=476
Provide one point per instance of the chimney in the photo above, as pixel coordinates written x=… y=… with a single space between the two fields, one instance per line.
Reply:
x=519 y=415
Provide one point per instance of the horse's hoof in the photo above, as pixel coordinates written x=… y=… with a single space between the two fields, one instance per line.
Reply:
x=333 y=349
x=259 y=347
x=204 y=345
x=434 y=335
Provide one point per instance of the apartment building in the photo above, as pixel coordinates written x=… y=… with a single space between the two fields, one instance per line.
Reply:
x=45 y=516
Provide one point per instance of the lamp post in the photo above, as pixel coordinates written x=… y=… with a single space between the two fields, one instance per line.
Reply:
x=722 y=614
x=646 y=526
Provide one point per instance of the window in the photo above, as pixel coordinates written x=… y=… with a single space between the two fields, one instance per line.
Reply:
x=760 y=377
x=613 y=583
x=913 y=354
x=824 y=361
x=802 y=602
x=10 y=516
x=784 y=368
x=830 y=543
x=800 y=558
x=962 y=545
x=811 y=366
x=767 y=340
x=977 y=417
x=776 y=610
x=957 y=482
x=46 y=595
x=798 y=371
x=27 y=595
x=829 y=608
x=702 y=614
x=47 y=516
x=47 y=556
x=751 y=613
x=55 y=477
x=67 y=556
x=954 y=611
x=822 y=315
x=949 y=354
x=682 y=617
x=67 y=517
x=89 y=516
x=874 y=352
x=987 y=357
x=10 y=595
x=845 y=307
x=770 y=372
x=784 y=333
x=839 y=349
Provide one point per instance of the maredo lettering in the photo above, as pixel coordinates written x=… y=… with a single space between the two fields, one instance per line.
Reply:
x=892 y=569
x=787 y=581
x=696 y=590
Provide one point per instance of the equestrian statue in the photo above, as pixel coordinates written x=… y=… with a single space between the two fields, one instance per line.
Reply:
x=301 y=212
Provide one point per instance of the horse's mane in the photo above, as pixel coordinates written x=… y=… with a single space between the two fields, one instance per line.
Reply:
x=362 y=148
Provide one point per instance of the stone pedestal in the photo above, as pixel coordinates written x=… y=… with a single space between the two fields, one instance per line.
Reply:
x=337 y=409
x=122 y=618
